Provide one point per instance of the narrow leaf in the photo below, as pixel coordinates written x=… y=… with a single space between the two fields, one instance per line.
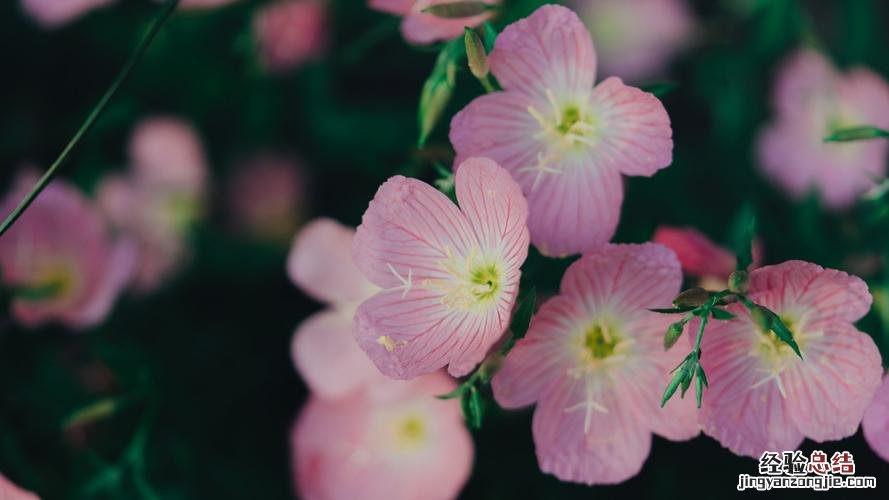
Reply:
x=674 y=384
x=438 y=88
x=673 y=310
x=456 y=393
x=857 y=133
x=700 y=383
x=472 y=407
x=721 y=314
x=784 y=333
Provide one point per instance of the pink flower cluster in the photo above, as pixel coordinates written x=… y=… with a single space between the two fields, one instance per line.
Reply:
x=362 y=435
x=811 y=100
x=159 y=198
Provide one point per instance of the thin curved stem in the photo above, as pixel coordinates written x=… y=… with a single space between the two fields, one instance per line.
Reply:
x=47 y=177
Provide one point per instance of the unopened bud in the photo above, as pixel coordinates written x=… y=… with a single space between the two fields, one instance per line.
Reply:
x=693 y=297
x=458 y=9
x=739 y=281
x=475 y=54
x=673 y=334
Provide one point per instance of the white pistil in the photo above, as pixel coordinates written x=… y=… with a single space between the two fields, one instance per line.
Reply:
x=406 y=283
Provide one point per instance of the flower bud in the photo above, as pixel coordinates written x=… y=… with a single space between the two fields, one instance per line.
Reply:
x=739 y=281
x=458 y=9
x=693 y=297
x=475 y=54
x=673 y=334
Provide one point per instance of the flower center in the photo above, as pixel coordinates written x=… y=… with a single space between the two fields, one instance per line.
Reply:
x=476 y=280
x=409 y=432
x=54 y=281
x=566 y=126
x=599 y=341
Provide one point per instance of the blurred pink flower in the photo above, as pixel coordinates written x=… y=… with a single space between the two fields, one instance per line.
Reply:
x=636 y=39
x=55 y=13
x=160 y=198
x=449 y=276
x=323 y=349
x=566 y=142
x=812 y=99
x=762 y=396
x=290 y=32
x=593 y=361
x=876 y=422
x=267 y=197
x=9 y=491
x=421 y=28
x=700 y=257
x=393 y=440
x=60 y=261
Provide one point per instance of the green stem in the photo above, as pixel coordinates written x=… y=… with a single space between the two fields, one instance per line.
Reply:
x=44 y=181
x=486 y=83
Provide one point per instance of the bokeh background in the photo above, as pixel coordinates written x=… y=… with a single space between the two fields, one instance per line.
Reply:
x=192 y=386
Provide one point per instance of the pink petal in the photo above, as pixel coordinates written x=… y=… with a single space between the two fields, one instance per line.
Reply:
x=612 y=451
x=409 y=227
x=345 y=448
x=54 y=13
x=825 y=294
x=747 y=420
x=327 y=356
x=495 y=209
x=538 y=361
x=291 y=32
x=320 y=263
x=636 y=138
x=697 y=253
x=575 y=211
x=422 y=334
x=121 y=265
x=397 y=7
x=830 y=389
x=9 y=491
x=550 y=49
x=804 y=77
x=876 y=422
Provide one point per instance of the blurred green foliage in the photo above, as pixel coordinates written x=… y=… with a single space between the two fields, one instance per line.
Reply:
x=194 y=385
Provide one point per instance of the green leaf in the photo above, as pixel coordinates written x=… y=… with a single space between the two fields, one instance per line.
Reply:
x=700 y=383
x=490 y=36
x=743 y=240
x=686 y=383
x=521 y=320
x=456 y=393
x=472 y=407
x=674 y=384
x=783 y=333
x=660 y=89
x=856 y=133
x=721 y=314
x=438 y=88
x=674 y=310
x=458 y=9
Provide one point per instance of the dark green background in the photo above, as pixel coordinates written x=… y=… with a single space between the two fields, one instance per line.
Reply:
x=204 y=364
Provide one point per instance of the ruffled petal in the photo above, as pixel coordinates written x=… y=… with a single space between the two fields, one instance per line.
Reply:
x=550 y=49
x=830 y=389
x=635 y=137
x=407 y=231
x=823 y=294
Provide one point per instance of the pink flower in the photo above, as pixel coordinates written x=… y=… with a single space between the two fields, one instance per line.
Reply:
x=876 y=422
x=449 y=276
x=390 y=441
x=267 y=197
x=290 y=32
x=160 y=198
x=762 y=396
x=566 y=142
x=811 y=100
x=323 y=349
x=635 y=39
x=60 y=260
x=422 y=28
x=700 y=257
x=9 y=491
x=55 y=13
x=594 y=362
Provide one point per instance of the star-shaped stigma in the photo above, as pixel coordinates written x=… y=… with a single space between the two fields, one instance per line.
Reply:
x=541 y=168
